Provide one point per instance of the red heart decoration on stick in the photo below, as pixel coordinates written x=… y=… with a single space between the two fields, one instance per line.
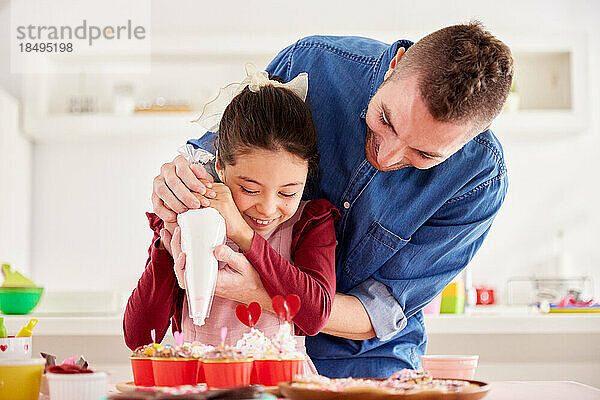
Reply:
x=293 y=304
x=248 y=315
x=26 y=347
x=3 y=347
x=286 y=308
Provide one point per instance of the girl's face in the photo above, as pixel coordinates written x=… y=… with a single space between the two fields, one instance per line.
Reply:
x=266 y=186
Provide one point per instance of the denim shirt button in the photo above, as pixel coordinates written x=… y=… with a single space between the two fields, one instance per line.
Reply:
x=346 y=205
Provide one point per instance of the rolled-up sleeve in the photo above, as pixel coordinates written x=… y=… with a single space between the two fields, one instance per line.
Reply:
x=384 y=310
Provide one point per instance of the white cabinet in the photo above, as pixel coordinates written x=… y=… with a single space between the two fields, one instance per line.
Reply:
x=188 y=70
x=550 y=87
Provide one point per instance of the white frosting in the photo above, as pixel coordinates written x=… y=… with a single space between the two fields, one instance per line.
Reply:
x=198 y=350
x=285 y=342
x=255 y=343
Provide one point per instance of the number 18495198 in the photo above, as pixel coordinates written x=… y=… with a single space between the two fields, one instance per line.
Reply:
x=46 y=47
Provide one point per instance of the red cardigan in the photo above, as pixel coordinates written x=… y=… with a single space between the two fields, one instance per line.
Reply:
x=158 y=300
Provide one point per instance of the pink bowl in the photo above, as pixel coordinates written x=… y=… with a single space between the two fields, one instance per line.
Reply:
x=450 y=367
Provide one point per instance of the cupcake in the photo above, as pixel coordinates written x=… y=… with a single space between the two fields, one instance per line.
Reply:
x=255 y=344
x=141 y=364
x=226 y=367
x=175 y=366
x=280 y=361
x=198 y=351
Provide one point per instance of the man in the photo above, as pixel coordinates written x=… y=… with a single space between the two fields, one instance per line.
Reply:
x=408 y=159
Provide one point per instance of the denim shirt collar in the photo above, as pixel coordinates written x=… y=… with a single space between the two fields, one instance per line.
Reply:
x=381 y=68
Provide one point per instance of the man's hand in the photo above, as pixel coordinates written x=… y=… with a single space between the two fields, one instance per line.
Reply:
x=237 y=229
x=239 y=281
x=172 y=189
x=172 y=244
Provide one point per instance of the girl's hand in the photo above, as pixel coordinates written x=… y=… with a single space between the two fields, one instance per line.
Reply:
x=237 y=228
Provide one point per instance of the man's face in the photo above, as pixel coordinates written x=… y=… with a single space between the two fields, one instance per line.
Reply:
x=402 y=133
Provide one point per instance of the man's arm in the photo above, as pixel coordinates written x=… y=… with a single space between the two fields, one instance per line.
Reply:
x=349 y=319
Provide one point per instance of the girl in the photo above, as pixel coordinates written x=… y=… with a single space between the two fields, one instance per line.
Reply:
x=266 y=148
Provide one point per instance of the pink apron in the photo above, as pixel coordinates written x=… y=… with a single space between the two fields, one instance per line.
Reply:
x=222 y=312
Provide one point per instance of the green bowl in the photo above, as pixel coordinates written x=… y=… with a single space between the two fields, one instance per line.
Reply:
x=19 y=300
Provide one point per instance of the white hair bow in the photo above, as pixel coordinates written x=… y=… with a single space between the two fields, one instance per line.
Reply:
x=255 y=79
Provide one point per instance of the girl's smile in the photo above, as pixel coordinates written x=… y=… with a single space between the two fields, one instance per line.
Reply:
x=266 y=186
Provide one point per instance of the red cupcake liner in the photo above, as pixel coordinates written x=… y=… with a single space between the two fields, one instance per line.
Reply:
x=175 y=371
x=143 y=374
x=200 y=376
x=225 y=374
x=271 y=372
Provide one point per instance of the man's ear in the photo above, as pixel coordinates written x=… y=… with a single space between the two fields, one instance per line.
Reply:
x=394 y=62
x=219 y=168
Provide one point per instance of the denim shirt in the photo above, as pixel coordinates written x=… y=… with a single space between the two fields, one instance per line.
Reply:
x=403 y=235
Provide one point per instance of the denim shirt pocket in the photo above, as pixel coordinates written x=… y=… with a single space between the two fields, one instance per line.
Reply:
x=372 y=251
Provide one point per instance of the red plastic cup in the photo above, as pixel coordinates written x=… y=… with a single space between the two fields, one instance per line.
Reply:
x=271 y=372
x=226 y=374
x=175 y=371
x=143 y=374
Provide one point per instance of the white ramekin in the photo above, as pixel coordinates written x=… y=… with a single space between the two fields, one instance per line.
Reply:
x=77 y=386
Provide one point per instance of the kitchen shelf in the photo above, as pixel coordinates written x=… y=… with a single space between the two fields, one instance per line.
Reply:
x=80 y=126
x=537 y=124
x=551 y=76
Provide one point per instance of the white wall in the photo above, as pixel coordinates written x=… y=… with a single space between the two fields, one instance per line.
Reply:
x=89 y=197
x=15 y=188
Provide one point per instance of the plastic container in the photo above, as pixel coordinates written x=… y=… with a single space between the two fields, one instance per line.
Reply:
x=452 y=305
x=77 y=386
x=453 y=298
x=271 y=372
x=143 y=374
x=175 y=371
x=19 y=300
x=225 y=374
x=450 y=366
x=434 y=306
x=21 y=379
x=15 y=348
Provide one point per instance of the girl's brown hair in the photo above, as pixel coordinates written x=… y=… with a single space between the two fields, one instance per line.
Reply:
x=274 y=118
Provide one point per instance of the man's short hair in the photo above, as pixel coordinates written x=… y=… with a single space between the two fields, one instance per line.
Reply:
x=464 y=72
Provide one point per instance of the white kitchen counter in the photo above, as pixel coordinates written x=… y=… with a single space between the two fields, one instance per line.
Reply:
x=67 y=325
x=504 y=320
x=498 y=320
